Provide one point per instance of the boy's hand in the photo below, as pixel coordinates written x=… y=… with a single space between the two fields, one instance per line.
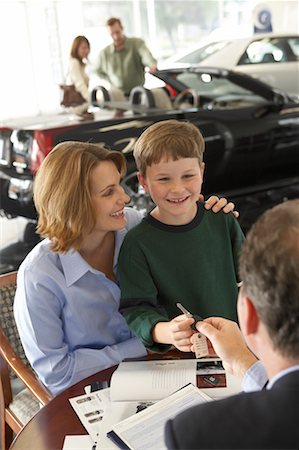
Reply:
x=177 y=332
x=217 y=204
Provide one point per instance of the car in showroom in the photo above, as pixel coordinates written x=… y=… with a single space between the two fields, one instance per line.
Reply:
x=272 y=58
x=251 y=133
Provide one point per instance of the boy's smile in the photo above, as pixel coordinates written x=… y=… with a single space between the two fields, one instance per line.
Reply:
x=174 y=187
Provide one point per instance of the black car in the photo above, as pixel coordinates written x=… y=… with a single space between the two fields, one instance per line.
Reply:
x=251 y=133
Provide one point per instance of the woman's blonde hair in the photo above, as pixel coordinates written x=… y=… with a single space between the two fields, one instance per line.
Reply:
x=170 y=139
x=75 y=47
x=62 y=193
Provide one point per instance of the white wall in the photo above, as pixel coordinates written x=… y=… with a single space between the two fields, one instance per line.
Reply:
x=36 y=36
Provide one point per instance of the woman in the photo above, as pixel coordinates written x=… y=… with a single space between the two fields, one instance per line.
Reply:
x=77 y=75
x=67 y=298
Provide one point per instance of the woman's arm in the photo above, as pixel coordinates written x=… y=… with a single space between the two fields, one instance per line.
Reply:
x=52 y=346
x=79 y=78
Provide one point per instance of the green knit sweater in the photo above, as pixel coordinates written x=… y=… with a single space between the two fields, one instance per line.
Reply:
x=195 y=264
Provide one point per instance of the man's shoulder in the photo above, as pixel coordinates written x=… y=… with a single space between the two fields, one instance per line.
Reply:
x=107 y=50
x=250 y=414
x=135 y=41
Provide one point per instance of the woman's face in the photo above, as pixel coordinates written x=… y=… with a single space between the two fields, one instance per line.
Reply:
x=108 y=197
x=83 y=50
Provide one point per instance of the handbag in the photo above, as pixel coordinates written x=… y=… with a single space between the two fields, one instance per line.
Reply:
x=71 y=97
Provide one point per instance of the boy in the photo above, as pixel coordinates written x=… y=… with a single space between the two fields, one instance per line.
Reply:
x=179 y=252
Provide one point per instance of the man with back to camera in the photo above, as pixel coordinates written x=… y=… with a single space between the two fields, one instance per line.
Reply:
x=122 y=63
x=268 y=311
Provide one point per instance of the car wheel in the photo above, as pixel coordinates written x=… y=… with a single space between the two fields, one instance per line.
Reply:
x=140 y=200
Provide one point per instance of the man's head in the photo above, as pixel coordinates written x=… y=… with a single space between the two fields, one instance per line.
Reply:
x=169 y=157
x=115 y=29
x=269 y=268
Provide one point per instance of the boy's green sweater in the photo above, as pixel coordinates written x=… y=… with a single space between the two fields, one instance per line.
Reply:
x=194 y=264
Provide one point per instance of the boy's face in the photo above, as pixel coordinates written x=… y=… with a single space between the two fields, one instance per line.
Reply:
x=174 y=187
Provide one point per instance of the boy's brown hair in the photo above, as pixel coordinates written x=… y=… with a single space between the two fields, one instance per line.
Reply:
x=169 y=139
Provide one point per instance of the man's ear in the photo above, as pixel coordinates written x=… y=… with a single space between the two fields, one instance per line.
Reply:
x=202 y=168
x=251 y=319
x=142 y=181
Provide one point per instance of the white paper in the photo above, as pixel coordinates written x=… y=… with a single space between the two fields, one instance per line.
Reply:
x=77 y=442
x=151 y=380
x=113 y=412
x=145 y=430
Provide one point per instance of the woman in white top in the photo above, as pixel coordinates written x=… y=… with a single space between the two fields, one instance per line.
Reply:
x=77 y=75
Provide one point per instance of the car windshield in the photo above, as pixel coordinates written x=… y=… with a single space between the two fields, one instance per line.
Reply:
x=200 y=54
x=213 y=86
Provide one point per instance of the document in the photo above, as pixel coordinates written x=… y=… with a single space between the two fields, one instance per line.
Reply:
x=98 y=414
x=151 y=380
x=78 y=442
x=138 y=386
x=145 y=430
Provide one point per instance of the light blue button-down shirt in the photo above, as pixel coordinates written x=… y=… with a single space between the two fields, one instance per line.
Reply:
x=256 y=377
x=67 y=315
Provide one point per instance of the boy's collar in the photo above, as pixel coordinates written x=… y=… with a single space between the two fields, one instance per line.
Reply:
x=177 y=228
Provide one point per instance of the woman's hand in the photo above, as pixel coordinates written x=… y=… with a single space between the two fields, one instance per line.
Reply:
x=217 y=204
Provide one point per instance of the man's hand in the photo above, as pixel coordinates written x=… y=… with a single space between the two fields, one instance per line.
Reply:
x=152 y=69
x=177 y=332
x=217 y=204
x=228 y=343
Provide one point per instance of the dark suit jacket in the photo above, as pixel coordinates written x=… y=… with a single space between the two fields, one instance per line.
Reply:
x=268 y=419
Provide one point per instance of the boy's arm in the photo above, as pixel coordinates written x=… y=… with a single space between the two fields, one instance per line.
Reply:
x=139 y=303
x=237 y=239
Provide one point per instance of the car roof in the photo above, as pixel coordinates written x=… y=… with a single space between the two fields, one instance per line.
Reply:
x=230 y=53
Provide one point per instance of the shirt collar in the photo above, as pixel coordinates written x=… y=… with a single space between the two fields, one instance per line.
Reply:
x=282 y=374
x=74 y=266
x=124 y=46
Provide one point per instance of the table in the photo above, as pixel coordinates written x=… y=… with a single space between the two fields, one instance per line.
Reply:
x=47 y=429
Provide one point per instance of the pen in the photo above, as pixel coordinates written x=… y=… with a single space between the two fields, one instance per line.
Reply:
x=188 y=314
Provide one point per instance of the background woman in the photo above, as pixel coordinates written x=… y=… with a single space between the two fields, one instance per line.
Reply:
x=77 y=74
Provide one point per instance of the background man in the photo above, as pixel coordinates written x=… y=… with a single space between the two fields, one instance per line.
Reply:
x=268 y=311
x=122 y=63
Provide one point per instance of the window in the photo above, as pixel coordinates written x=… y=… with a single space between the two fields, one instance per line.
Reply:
x=276 y=50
